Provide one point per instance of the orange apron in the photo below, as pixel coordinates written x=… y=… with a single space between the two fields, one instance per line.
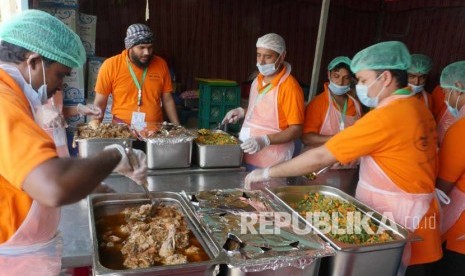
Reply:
x=262 y=119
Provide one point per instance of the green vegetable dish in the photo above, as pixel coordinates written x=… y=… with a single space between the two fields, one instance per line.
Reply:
x=350 y=229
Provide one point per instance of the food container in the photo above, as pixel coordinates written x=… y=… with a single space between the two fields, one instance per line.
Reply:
x=225 y=214
x=102 y=205
x=91 y=146
x=169 y=155
x=211 y=156
x=366 y=259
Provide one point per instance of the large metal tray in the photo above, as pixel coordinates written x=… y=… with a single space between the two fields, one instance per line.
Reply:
x=91 y=146
x=108 y=204
x=281 y=259
x=168 y=156
x=215 y=156
x=374 y=259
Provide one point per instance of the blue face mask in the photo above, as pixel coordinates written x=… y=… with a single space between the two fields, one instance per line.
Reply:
x=454 y=111
x=338 y=89
x=416 y=88
x=268 y=69
x=362 y=94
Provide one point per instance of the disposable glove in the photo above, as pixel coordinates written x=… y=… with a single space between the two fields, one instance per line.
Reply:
x=50 y=117
x=132 y=165
x=258 y=175
x=88 y=109
x=255 y=144
x=234 y=115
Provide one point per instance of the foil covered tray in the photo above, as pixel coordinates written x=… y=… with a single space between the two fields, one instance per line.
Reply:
x=352 y=259
x=256 y=232
x=105 y=206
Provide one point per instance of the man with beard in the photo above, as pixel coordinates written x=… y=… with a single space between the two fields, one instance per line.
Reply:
x=138 y=81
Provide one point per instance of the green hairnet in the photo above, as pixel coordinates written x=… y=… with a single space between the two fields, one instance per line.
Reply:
x=453 y=76
x=338 y=60
x=387 y=55
x=421 y=64
x=40 y=32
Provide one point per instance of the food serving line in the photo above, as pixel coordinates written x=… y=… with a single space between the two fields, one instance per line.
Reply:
x=74 y=224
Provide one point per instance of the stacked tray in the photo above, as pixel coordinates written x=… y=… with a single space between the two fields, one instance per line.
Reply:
x=378 y=258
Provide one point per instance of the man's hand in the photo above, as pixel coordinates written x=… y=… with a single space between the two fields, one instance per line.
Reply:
x=132 y=165
x=255 y=144
x=88 y=109
x=234 y=115
x=258 y=175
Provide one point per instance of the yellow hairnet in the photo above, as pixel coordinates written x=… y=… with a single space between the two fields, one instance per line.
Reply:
x=421 y=64
x=338 y=60
x=40 y=32
x=453 y=76
x=387 y=55
x=273 y=42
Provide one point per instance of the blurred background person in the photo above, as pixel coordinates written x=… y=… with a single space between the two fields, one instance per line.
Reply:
x=417 y=77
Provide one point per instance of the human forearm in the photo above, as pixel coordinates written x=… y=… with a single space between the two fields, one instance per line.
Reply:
x=61 y=181
x=291 y=133
x=170 y=108
x=314 y=140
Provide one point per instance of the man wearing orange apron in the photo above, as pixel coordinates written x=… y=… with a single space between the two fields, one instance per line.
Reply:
x=417 y=76
x=333 y=110
x=452 y=111
x=275 y=114
x=396 y=142
x=36 y=52
x=451 y=177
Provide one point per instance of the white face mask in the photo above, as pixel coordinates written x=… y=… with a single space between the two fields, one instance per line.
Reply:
x=42 y=91
x=268 y=69
x=416 y=88
x=362 y=93
x=454 y=111
x=338 y=89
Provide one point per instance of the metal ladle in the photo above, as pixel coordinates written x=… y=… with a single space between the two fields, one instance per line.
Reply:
x=133 y=162
x=313 y=175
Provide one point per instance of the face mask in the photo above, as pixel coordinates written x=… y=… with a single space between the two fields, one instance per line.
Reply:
x=42 y=91
x=416 y=88
x=268 y=69
x=454 y=111
x=362 y=93
x=338 y=89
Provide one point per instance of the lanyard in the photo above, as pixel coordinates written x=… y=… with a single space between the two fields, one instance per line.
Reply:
x=402 y=92
x=263 y=93
x=137 y=83
x=343 y=112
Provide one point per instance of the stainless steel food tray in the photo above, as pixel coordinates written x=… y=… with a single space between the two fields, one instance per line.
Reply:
x=281 y=259
x=91 y=146
x=168 y=156
x=374 y=259
x=108 y=204
x=215 y=156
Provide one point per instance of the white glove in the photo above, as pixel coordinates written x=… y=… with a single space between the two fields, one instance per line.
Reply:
x=50 y=117
x=133 y=166
x=255 y=144
x=233 y=115
x=88 y=109
x=258 y=175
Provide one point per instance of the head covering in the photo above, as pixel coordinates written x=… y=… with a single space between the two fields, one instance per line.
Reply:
x=138 y=34
x=273 y=42
x=387 y=55
x=421 y=64
x=39 y=32
x=453 y=74
x=338 y=60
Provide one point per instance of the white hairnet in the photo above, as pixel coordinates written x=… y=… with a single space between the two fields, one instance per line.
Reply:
x=273 y=42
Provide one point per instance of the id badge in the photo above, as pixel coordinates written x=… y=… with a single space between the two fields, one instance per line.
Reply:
x=138 y=120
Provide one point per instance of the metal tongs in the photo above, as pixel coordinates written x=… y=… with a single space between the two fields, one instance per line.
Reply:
x=222 y=126
x=313 y=175
x=133 y=162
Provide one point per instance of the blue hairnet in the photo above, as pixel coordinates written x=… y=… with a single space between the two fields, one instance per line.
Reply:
x=421 y=64
x=453 y=76
x=387 y=55
x=338 y=60
x=40 y=32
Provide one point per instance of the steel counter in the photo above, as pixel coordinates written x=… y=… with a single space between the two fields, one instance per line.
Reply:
x=74 y=224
